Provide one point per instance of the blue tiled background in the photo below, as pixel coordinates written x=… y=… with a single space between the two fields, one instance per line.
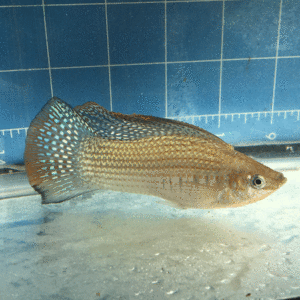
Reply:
x=231 y=67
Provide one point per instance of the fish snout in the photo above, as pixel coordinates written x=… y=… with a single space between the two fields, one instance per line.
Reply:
x=281 y=180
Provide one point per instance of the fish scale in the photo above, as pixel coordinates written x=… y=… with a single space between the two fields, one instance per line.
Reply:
x=70 y=152
x=136 y=161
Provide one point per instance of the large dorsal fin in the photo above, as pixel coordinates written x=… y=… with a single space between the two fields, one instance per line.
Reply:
x=114 y=125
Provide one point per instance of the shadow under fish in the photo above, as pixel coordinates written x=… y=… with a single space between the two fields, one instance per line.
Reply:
x=73 y=151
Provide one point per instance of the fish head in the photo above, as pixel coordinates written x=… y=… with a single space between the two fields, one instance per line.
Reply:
x=248 y=182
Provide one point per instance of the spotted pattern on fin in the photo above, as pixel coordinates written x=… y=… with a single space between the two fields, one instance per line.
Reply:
x=51 y=151
x=117 y=126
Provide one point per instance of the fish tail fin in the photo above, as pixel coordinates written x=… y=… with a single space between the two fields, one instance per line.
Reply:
x=51 y=152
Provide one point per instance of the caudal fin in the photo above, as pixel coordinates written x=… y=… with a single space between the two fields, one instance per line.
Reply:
x=51 y=152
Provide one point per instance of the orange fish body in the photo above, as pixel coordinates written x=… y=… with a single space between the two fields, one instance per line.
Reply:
x=73 y=151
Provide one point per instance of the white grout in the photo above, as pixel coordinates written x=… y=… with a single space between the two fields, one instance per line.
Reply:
x=276 y=59
x=113 y=3
x=152 y=63
x=129 y=3
x=47 y=46
x=24 y=70
x=166 y=65
x=221 y=64
x=108 y=57
x=17 y=6
x=76 y=4
x=80 y=67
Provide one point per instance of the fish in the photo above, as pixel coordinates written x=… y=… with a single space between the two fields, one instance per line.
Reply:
x=73 y=151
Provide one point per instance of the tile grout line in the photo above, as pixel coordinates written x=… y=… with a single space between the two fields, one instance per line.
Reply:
x=166 y=65
x=47 y=46
x=221 y=63
x=112 y=3
x=276 y=61
x=23 y=70
x=152 y=63
x=108 y=58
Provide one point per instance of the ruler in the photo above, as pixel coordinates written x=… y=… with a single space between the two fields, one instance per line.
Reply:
x=12 y=145
x=251 y=128
x=238 y=129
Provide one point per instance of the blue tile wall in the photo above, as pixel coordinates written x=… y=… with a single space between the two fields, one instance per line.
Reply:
x=288 y=81
x=22 y=38
x=251 y=28
x=138 y=33
x=194 y=31
x=139 y=89
x=22 y=94
x=198 y=81
x=227 y=66
x=76 y=35
x=83 y=85
x=247 y=85
x=290 y=28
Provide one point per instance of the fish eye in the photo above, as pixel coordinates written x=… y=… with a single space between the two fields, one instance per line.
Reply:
x=258 y=182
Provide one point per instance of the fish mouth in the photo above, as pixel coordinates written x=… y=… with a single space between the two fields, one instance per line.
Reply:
x=281 y=179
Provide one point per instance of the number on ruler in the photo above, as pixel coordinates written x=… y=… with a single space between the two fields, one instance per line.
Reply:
x=271 y=136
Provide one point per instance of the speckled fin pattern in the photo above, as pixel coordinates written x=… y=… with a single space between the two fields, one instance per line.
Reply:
x=50 y=153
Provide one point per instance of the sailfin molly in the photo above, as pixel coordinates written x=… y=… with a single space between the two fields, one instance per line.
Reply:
x=73 y=151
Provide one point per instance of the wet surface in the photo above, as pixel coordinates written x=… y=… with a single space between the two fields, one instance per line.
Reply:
x=126 y=246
